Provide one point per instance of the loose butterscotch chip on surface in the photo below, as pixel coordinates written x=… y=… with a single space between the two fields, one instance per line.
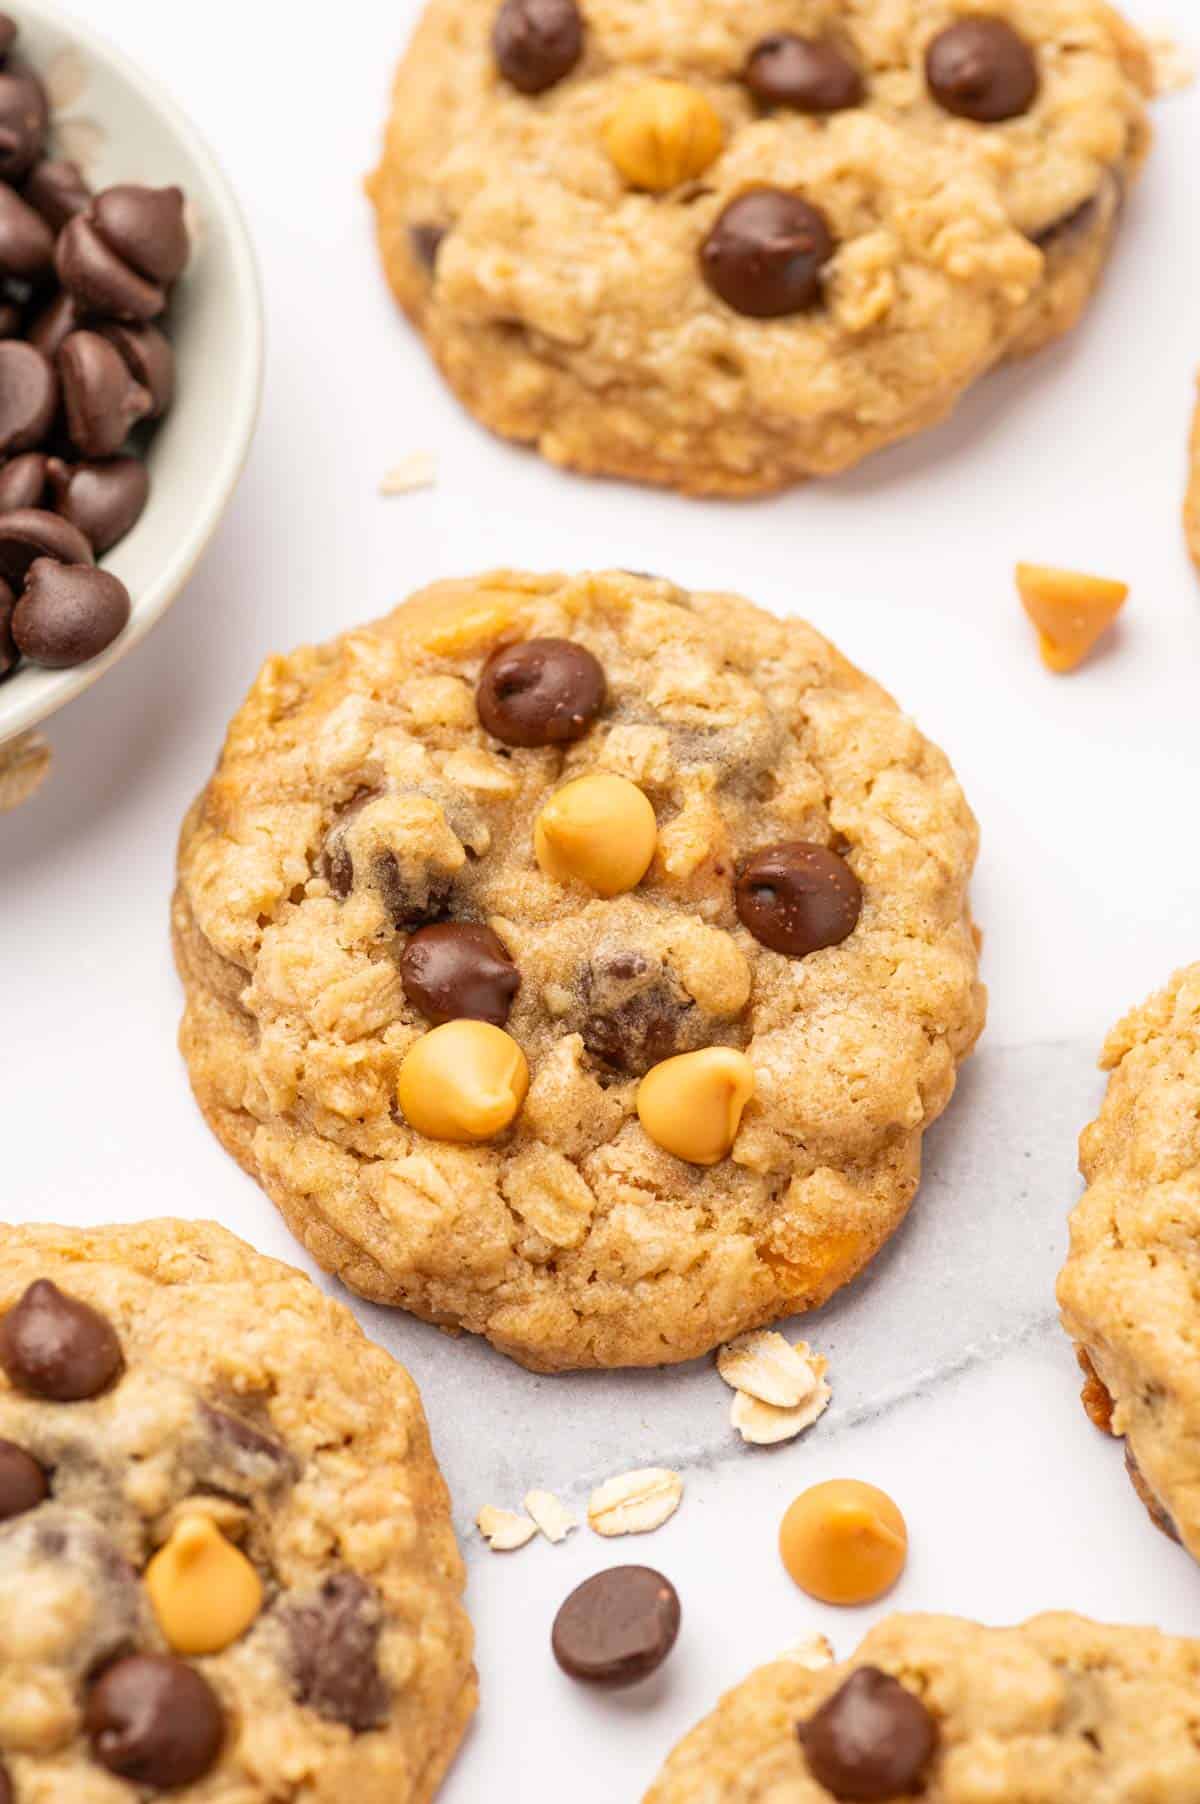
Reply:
x=1070 y=610
x=844 y=1542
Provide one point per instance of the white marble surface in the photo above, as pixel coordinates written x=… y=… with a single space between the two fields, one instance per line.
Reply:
x=952 y=1386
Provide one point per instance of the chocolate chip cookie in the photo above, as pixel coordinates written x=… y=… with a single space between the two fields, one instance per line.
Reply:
x=1127 y=1291
x=725 y=246
x=1060 y=1709
x=227 y=1570
x=579 y=961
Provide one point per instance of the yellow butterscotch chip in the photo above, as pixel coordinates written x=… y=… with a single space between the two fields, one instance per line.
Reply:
x=466 y=1080
x=204 y=1591
x=844 y=1542
x=599 y=830
x=692 y=1105
x=1070 y=610
x=663 y=133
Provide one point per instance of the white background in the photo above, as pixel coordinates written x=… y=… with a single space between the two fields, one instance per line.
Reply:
x=1087 y=890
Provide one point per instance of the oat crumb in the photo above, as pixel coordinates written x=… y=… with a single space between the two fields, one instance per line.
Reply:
x=551 y=1515
x=504 y=1530
x=1172 y=63
x=416 y=471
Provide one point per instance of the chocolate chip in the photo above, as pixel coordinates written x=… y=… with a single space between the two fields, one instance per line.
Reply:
x=797 y=898
x=23 y=1484
x=68 y=613
x=871 y=1740
x=459 y=970
x=104 y=401
x=11 y=319
x=29 y=533
x=233 y=1446
x=58 y=191
x=409 y=907
x=537 y=42
x=9 y=655
x=153 y=1720
x=99 y=280
x=426 y=241
x=24 y=119
x=149 y=355
x=23 y=481
x=982 y=69
x=26 y=241
x=806 y=74
x=334 y=1640
x=104 y=500
x=55 y=323
x=28 y=396
x=55 y=1346
x=634 y=1012
x=1068 y=225
x=766 y=253
x=145 y=226
x=617 y=1627
x=540 y=692
x=8 y=34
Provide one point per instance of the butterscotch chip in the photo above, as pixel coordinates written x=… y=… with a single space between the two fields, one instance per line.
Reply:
x=844 y=1542
x=663 y=133
x=635 y=1503
x=204 y=1591
x=1071 y=611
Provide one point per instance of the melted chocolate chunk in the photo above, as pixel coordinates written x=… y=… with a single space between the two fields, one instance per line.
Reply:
x=334 y=1642
x=636 y=1014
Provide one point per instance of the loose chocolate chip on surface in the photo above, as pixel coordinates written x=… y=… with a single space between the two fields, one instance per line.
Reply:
x=796 y=898
x=29 y=533
x=982 y=69
x=101 y=281
x=55 y=1346
x=537 y=42
x=28 y=396
x=459 y=970
x=144 y=226
x=766 y=252
x=23 y=481
x=26 y=241
x=104 y=400
x=69 y=613
x=871 y=1740
x=805 y=74
x=104 y=500
x=540 y=692
x=24 y=118
x=23 y=1484
x=154 y=1721
x=334 y=1639
x=58 y=191
x=426 y=241
x=617 y=1627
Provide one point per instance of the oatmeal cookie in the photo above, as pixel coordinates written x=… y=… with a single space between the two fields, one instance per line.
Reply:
x=1128 y=1289
x=725 y=246
x=227 y=1571
x=1058 y=1711
x=579 y=961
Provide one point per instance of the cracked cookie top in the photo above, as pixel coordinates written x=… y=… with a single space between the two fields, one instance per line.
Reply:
x=579 y=961
x=726 y=245
x=227 y=1570
x=936 y=1707
x=1128 y=1291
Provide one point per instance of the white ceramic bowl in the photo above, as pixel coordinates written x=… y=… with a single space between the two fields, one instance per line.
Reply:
x=113 y=117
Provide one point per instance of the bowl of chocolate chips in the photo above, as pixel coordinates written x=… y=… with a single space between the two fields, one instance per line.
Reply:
x=130 y=357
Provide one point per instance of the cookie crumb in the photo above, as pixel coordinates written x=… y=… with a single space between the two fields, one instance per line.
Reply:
x=550 y=1514
x=814 y=1653
x=416 y=471
x=1172 y=64
x=24 y=766
x=1070 y=610
x=635 y=1502
x=504 y=1530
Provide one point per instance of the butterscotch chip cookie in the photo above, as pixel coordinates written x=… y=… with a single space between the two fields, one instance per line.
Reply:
x=719 y=246
x=1127 y=1291
x=1061 y=1709
x=227 y=1570
x=579 y=961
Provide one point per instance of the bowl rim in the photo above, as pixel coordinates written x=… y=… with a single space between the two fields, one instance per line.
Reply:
x=19 y=712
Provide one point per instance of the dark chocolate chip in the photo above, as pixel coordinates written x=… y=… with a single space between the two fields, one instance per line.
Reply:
x=871 y=1740
x=104 y=500
x=24 y=119
x=9 y=655
x=540 y=692
x=459 y=970
x=808 y=75
x=26 y=241
x=617 y=1627
x=28 y=396
x=23 y=481
x=8 y=34
x=537 y=42
x=149 y=355
x=23 y=1484
x=33 y=532
x=55 y=323
x=797 y=898
x=982 y=69
x=766 y=254
x=426 y=241
x=103 y=399
x=11 y=319
x=58 y=191
x=69 y=613
x=55 y=1346
x=153 y=1720
x=334 y=1641
x=145 y=227
x=101 y=281
x=634 y=1012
